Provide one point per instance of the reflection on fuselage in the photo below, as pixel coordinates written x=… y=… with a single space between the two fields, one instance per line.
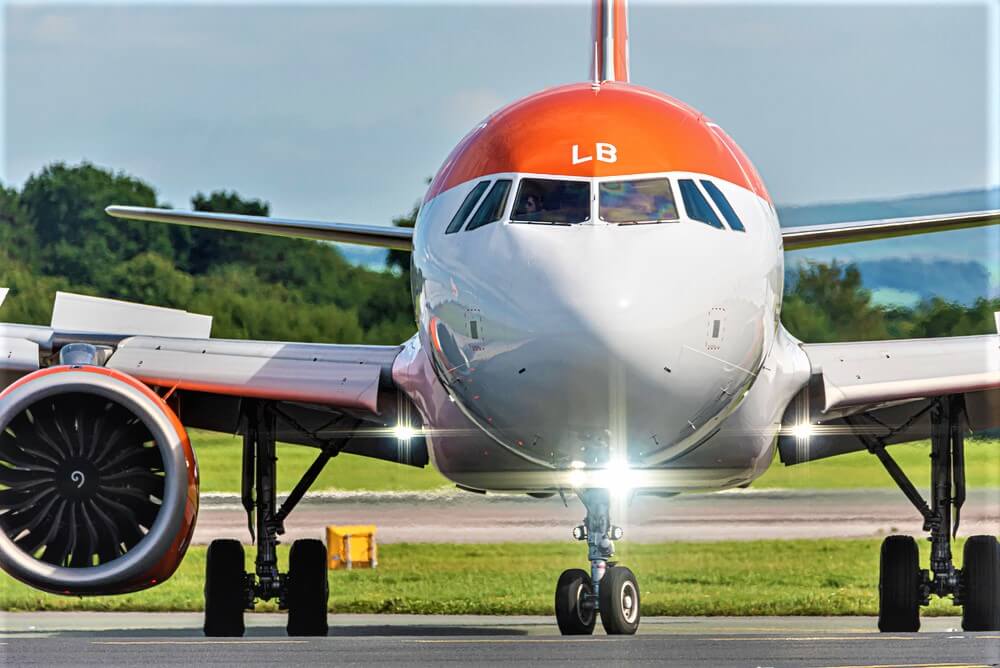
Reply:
x=587 y=344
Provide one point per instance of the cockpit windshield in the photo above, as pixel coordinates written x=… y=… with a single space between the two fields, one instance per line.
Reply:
x=631 y=202
x=552 y=201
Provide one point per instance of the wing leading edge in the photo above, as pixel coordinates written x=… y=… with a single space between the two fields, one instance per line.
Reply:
x=815 y=236
x=399 y=238
x=321 y=392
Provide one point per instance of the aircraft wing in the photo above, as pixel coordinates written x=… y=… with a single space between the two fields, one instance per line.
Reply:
x=884 y=389
x=400 y=238
x=323 y=391
x=814 y=236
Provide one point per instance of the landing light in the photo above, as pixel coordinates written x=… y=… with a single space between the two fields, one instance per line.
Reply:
x=618 y=476
x=802 y=431
x=404 y=432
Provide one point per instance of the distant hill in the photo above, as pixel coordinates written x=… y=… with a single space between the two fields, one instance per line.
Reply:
x=956 y=266
x=919 y=205
x=907 y=281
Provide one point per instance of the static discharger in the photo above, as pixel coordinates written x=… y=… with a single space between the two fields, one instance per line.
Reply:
x=349 y=547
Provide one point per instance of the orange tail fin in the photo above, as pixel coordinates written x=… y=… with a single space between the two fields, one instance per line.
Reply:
x=609 y=41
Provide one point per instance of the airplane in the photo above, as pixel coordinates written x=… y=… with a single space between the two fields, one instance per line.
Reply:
x=597 y=276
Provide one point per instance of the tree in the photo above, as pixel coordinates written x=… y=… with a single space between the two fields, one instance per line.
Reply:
x=397 y=259
x=828 y=303
x=17 y=233
x=75 y=237
x=204 y=249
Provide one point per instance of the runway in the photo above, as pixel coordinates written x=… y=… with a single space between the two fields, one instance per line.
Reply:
x=463 y=517
x=161 y=639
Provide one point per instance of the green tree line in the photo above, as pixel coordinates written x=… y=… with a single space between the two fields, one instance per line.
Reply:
x=829 y=303
x=54 y=235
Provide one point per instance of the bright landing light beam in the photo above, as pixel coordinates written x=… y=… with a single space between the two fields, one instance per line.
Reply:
x=404 y=432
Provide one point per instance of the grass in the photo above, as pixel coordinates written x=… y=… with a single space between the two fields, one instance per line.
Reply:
x=859 y=470
x=220 y=456
x=794 y=577
x=219 y=461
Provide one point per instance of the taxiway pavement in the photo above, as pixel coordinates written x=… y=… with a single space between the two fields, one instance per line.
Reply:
x=162 y=639
x=463 y=517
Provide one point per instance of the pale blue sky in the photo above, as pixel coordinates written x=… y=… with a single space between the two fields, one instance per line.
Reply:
x=339 y=112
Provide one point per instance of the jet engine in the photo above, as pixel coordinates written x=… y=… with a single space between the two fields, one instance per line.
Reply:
x=98 y=482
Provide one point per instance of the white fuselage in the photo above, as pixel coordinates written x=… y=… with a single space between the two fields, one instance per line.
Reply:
x=563 y=354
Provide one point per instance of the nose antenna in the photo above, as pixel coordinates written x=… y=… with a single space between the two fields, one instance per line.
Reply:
x=609 y=41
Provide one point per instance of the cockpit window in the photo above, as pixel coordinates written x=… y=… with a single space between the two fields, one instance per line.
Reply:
x=552 y=201
x=697 y=206
x=491 y=210
x=463 y=211
x=630 y=202
x=724 y=206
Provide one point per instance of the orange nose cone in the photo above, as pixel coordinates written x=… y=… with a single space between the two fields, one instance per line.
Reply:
x=588 y=130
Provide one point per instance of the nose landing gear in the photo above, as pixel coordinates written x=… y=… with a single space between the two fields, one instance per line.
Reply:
x=609 y=590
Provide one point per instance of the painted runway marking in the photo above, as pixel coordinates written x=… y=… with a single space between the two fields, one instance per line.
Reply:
x=198 y=642
x=816 y=638
x=513 y=640
x=918 y=665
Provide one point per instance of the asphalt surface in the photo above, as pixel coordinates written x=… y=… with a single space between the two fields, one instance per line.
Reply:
x=463 y=517
x=155 y=639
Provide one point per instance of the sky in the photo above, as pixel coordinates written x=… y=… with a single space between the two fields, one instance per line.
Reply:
x=340 y=112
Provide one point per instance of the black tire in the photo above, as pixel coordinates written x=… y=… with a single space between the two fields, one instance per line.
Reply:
x=619 y=597
x=308 y=589
x=899 y=586
x=225 y=595
x=573 y=618
x=981 y=584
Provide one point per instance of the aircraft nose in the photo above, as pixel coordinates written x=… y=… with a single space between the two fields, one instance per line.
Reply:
x=581 y=362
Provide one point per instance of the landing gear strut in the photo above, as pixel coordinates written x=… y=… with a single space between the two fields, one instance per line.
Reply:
x=609 y=589
x=903 y=587
x=303 y=590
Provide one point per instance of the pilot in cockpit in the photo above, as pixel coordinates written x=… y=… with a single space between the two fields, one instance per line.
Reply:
x=532 y=204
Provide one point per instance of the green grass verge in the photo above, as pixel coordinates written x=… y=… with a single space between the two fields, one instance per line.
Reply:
x=859 y=470
x=794 y=577
x=219 y=457
x=219 y=461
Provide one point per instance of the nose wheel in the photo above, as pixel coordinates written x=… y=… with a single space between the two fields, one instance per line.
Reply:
x=576 y=613
x=619 y=602
x=609 y=590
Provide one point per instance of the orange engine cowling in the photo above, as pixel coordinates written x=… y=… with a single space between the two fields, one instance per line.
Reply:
x=98 y=483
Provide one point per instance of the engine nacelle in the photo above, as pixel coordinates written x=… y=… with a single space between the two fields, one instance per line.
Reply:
x=98 y=483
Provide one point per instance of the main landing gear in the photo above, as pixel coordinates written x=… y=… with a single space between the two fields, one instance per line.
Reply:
x=903 y=586
x=609 y=590
x=303 y=590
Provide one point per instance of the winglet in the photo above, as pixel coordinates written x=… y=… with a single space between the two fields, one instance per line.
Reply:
x=996 y=319
x=3 y=295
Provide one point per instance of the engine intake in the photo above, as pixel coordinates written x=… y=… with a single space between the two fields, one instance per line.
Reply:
x=98 y=483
